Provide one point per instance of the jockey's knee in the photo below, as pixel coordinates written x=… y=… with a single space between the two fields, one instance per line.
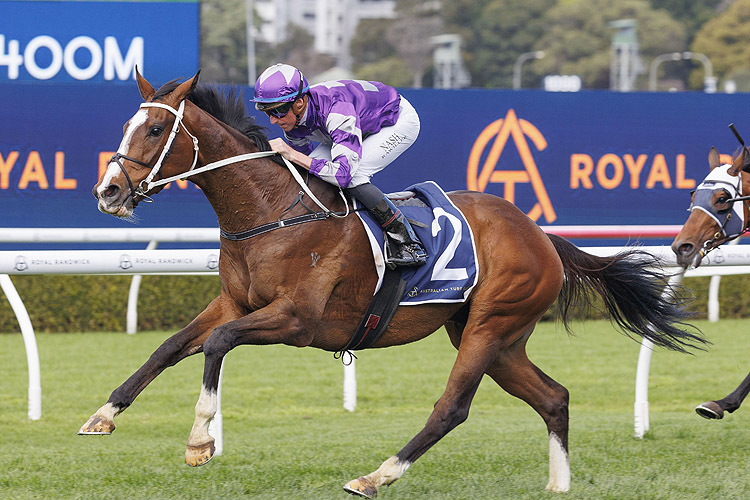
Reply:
x=367 y=194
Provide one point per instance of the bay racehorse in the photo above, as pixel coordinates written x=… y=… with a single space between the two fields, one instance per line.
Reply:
x=718 y=213
x=273 y=293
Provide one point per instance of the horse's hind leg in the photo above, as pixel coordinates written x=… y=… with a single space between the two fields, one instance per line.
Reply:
x=513 y=371
x=184 y=343
x=732 y=402
x=474 y=355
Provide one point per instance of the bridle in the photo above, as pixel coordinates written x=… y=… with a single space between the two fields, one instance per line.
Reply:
x=731 y=220
x=147 y=184
x=721 y=175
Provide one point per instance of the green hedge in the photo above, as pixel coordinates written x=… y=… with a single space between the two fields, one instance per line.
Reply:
x=99 y=303
x=734 y=296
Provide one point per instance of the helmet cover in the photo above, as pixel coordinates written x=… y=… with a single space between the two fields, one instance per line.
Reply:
x=278 y=84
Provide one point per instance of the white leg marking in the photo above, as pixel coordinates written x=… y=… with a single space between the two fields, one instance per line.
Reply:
x=107 y=411
x=389 y=471
x=113 y=169
x=205 y=409
x=559 y=465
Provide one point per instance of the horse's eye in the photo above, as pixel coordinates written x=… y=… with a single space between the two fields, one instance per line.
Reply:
x=155 y=131
x=722 y=201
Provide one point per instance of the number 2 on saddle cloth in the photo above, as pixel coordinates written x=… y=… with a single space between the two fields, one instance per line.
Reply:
x=448 y=276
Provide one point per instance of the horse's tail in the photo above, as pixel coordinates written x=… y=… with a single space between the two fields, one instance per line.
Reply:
x=632 y=288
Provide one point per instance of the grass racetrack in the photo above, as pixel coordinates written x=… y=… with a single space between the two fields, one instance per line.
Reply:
x=287 y=436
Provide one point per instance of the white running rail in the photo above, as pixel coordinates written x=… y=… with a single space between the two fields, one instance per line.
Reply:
x=724 y=261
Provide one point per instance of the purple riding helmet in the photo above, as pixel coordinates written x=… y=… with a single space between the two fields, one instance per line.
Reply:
x=277 y=85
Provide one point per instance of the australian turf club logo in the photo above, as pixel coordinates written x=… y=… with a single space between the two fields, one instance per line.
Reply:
x=125 y=262
x=484 y=165
x=21 y=264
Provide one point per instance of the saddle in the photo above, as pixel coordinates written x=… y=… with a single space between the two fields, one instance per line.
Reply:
x=448 y=276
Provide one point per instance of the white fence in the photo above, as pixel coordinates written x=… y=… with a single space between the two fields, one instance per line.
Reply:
x=130 y=262
x=727 y=260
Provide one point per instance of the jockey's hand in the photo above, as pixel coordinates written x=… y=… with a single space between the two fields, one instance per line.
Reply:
x=282 y=147
x=289 y=153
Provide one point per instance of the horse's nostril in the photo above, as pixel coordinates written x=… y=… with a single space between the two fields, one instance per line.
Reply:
x=685 y=249
x=111 y=191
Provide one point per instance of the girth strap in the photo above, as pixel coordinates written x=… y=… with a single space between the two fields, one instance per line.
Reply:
x=291 y=221
x=378 y=315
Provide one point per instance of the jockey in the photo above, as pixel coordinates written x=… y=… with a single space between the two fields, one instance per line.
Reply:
x=361 y=127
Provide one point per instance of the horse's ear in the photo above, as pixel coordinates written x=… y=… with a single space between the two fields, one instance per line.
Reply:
x=738 y=163
x=145 y=88
x=185 y=88
x=713 y=158
x=746 y=163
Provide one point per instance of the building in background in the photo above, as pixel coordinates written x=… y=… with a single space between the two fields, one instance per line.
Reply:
x=450 y=72
x=626 y=62
x=332 y=23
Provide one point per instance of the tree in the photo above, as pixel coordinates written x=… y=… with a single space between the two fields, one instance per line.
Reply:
x=417 y=21
x=723 y=40
x=390 y=70
x=370 y=43
x=389 y=49
x=223 y=45
x=691 y=13
x=223 y=49
x=579 y=38
x=495 y=33
x=298 y=50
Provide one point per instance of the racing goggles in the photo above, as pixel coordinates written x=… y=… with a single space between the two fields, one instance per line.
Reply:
x=279 y=111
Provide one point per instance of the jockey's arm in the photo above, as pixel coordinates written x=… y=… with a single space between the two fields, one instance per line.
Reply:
x=290 y=153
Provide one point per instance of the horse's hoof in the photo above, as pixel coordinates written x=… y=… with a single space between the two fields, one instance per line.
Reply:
x=97 y=426
x=362 y=487
x=710 y=410
x=199 y=455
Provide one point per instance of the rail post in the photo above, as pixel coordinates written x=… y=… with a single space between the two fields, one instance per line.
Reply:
x=29 y=340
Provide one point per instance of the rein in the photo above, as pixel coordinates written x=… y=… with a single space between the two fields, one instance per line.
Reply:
x=148 y=183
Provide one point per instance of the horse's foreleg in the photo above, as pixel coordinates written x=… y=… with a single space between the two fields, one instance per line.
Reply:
x=273 y=324
x=513 y=371
x=732 y=402
x=451 y=409
x=184 y=343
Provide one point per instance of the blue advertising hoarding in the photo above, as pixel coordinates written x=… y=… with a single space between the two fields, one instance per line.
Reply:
x=563 y=158
x=592 y=157
x=89 y=41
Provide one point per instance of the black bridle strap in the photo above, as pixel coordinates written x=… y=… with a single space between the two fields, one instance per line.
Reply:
x=292 y=221
x=116 y=158
x=711 y=244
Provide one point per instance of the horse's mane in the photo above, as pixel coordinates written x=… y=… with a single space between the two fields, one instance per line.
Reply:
x=225 y=104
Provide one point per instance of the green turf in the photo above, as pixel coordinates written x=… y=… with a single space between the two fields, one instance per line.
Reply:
x=288 y=437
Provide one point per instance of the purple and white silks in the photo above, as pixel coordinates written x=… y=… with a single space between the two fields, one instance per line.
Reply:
x=360 y=126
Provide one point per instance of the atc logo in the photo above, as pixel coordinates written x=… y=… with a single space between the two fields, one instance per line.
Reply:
x=125 y=262
x=489 y=147
x=21 y=264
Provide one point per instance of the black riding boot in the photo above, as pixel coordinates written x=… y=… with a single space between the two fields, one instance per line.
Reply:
x=404 y=248
x=403 y=245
